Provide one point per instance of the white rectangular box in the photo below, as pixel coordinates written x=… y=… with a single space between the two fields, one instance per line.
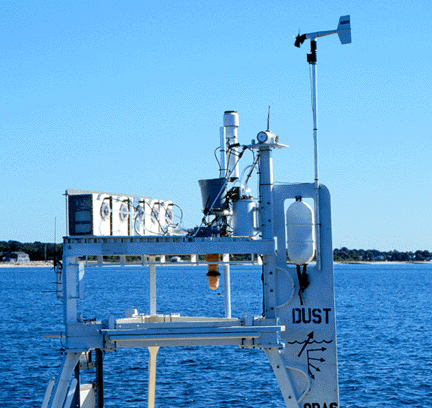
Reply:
x=106 y=214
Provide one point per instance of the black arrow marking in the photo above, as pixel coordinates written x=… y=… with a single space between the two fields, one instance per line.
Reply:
x=309 y=359
x=317 y=359
x=310 y=337
x=321 y=349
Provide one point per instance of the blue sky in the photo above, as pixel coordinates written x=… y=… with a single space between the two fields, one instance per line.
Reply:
x=128 y=97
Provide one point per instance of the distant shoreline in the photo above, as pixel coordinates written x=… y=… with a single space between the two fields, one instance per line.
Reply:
x=31 y=264
x=382 y=262
x=49 y=264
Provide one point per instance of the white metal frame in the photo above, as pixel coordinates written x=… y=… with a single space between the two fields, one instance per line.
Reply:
x=290 y=332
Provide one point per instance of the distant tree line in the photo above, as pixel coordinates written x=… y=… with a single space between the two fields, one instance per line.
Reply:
x=373 y=255
x=39 y=251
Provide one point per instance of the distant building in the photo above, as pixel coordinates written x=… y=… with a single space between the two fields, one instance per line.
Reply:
x=18 y=257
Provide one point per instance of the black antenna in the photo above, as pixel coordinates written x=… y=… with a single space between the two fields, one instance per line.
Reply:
x=268 y=119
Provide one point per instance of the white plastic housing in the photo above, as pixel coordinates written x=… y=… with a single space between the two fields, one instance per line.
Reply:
x=231 y=124
x=121 y=212
x=301 y=233
x=89 y=214
x=244 y=217
x=231 y=119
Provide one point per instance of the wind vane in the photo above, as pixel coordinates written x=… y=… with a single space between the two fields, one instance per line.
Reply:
x=343 y=30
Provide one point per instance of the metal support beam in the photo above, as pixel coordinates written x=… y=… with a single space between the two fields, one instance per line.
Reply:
x=65 y=379
x=227 y=286
x=76 y=403
x=266 y=220
x=152 y=376
x=284 y=380
x=48 y=392
x=70 y=293
x=152 y=289
x=99 y=379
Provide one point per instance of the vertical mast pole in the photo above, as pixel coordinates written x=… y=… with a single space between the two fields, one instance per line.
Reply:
x=227 y=137
x=312 y=60
x=266 y=221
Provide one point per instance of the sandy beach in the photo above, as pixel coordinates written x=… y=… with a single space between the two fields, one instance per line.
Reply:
x=31 y=264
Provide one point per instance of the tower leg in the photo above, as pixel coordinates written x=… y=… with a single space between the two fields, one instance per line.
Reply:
x=227 y=286
x=99 y=378
x=65 y=379
x=152 y=376
x=283 y=378
x=76 y=403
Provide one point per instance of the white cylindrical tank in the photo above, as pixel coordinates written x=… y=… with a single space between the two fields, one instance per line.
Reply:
x=231 y=119
x=231 y=124
x=301 y=232
x=244 y=217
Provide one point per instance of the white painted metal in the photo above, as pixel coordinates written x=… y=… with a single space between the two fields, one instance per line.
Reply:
x=297 y=326
x=343 y=30
x=168 y=246
x=71 y=393
x=48 y=392
x=266 y=227
x=87 y=396
x=227 y=286
x=288 y=391
x=310 y=327
x=152 y=287
x=70 y=294
x=65 y=379
x=316 y=178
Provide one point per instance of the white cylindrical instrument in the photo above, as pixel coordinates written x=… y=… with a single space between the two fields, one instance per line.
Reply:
x=301 y=232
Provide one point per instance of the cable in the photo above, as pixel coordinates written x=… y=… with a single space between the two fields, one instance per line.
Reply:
x=253 y=167
x=218 y=162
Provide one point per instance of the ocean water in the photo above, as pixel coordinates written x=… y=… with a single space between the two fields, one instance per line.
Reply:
x=384 y=315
